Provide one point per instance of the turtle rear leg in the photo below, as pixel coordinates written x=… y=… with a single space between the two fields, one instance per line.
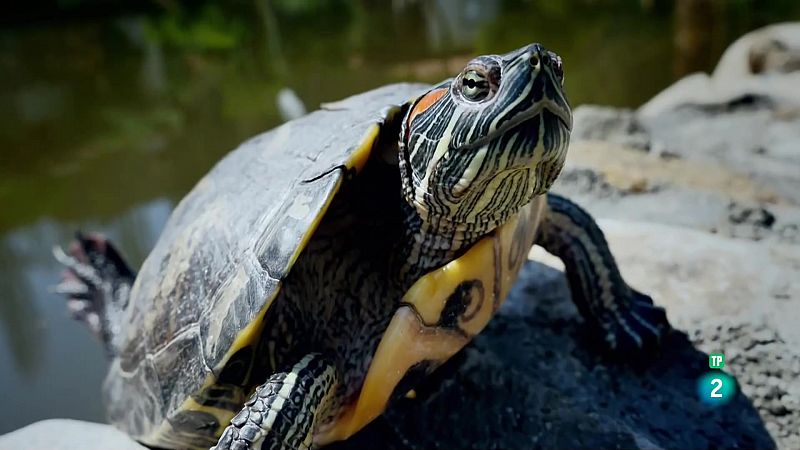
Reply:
x=627 y=318
x=281 y=413
x=97 y=283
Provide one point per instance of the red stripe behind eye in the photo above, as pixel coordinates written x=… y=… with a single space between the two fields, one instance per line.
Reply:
x=425 y=102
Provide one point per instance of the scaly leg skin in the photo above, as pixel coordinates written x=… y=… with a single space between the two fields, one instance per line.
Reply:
x=281 y=413
x=97 y=283
x=627 y=318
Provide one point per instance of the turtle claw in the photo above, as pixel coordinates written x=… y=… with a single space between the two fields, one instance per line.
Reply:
x=79 y=301
x=82 y=310
x=78 y=267
x=638 y=328
x=82 y=285
x=71 y=287
x=96 y=281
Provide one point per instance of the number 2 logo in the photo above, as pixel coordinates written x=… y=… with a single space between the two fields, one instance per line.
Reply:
x=714 y=392
x=716 y=388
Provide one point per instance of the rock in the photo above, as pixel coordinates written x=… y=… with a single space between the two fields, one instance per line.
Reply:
x=621 y=167
x=605 y=123
x=66 y=434
x=763 y=64
x=742 y=117
x=714 y=280
x=750 y=221
x=745 y=134
x=722 y=291
x=614 y=181
x=775 y=48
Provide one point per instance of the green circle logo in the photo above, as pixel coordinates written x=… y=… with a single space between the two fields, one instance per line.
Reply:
x=716 y=388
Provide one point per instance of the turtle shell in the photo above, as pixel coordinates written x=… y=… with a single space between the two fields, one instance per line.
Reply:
x=198 y=305
x=199 y=300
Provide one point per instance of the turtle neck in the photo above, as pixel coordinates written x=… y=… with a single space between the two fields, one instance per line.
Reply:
x=427 y=244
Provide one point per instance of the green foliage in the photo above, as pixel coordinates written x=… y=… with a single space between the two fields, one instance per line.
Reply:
x=219 y=67
x=754 y=13
x=308 y=7
x=132 y=129
x=209 y=29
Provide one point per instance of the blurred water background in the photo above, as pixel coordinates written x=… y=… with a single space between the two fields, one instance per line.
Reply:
x=110 y=111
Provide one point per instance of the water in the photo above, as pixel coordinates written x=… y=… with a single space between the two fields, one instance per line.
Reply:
x=110 y=116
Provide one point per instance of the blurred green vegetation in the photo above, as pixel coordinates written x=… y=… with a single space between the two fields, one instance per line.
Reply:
x=209 y=29
x=107 y=104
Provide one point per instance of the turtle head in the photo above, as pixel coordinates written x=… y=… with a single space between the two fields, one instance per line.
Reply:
x=477 y=147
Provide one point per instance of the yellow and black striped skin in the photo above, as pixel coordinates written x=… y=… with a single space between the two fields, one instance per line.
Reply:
x=627 y=319
x=473 y=163
x=284 y=407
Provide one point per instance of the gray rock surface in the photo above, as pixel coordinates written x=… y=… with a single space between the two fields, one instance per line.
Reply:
x=772 y=49
x=745 y=116
x=66 y=434
x=737 y=296
x=617 y=125
x=740 y=127
x=764 y=63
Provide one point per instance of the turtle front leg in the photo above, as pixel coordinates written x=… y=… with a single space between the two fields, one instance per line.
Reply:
x=97 y=283
x=281 y=413
x=627 y=318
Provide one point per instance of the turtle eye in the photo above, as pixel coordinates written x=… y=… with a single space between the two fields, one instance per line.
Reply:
x=474 y=86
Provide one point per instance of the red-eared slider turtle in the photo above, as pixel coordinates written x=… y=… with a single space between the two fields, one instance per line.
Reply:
x=322 y=267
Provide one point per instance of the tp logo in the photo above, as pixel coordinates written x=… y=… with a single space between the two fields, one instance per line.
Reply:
x=716 y=387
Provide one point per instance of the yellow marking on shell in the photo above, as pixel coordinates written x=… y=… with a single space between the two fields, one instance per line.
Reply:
x=413 y=337
x=247 y=336
x=412 y=394
x=357 y=160
x=251 y=332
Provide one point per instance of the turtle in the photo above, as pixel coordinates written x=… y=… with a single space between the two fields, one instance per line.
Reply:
x=323 y=268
